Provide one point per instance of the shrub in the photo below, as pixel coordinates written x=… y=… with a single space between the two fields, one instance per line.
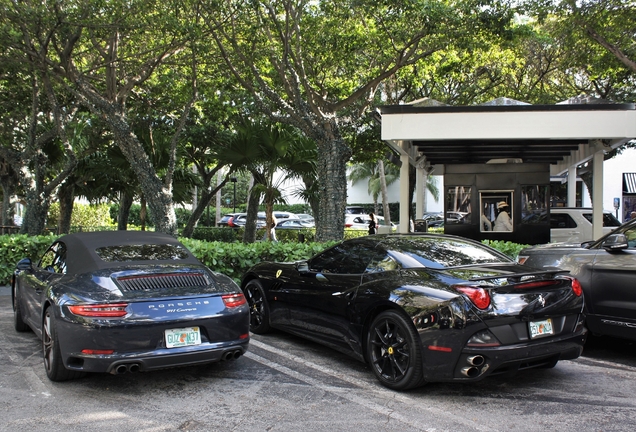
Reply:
x=15 y=247
x=220 y=234
x=509 y=248
x=85 y=215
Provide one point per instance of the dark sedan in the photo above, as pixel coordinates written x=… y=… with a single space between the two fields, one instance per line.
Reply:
x=606 y=269
x=421 y=308
x=127 y=301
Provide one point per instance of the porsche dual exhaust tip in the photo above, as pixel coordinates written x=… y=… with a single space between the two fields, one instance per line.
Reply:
x=232 y=355
x=126 y=367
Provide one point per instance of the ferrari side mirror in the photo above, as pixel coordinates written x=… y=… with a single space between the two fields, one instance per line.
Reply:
x=302 y=266
x=24 y=264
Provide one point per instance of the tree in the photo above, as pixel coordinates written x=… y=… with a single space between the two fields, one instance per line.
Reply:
x=106 y=54
x=302 y=72
x=273 y=154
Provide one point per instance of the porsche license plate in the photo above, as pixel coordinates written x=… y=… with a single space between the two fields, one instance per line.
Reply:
x=182 y=337
x=541 y=328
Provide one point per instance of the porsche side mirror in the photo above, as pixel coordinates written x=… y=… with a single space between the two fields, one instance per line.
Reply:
x=24 y=264
x=615 y=242
x=302 y=266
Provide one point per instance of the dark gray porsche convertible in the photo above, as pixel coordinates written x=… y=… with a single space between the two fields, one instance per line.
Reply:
x=420 y=308
x=127 y=301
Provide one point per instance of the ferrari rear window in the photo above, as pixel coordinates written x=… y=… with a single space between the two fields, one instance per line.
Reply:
x=145 y=252
x=441 y=253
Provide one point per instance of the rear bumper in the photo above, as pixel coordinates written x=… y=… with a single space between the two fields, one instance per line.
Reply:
x=157 y=359
x=475 y=364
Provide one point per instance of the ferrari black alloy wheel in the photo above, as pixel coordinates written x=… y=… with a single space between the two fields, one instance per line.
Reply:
x=259 y=311
x=393 y=351
x=18 y=322
x=53 y=364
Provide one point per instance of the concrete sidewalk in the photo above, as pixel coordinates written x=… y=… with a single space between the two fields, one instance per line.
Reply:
x=5 y=290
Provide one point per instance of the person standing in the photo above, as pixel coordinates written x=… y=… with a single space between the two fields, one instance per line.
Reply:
x=373 y=224
x=503 y=222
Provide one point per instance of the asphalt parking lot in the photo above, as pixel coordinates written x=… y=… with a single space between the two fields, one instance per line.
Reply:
x=287 y=384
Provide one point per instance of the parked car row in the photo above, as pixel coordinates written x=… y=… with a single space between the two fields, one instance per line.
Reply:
x=416 y=308
x=237 y=220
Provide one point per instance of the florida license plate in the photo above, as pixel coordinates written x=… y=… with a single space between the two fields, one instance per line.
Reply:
x=541 y=328
x=182 y=337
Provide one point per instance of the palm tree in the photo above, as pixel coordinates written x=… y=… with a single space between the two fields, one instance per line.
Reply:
x=273 y=154
x=379 y=176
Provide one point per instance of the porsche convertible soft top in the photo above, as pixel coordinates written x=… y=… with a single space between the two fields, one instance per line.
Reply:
x=98 y=250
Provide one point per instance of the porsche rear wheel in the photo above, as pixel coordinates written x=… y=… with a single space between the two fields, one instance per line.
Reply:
x=53 y=363
x=393 y=351
x=259 y=309
x=18 y=321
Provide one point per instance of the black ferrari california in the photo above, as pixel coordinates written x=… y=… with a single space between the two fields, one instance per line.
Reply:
x=422 y=308
x=127 y=301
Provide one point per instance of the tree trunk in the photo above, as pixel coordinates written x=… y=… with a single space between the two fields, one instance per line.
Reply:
x=8 y=190
x=333 y=155
x=204 y=202
x=206 y=198
x=143 y=212
x=65 y=195
x=249 y=236
x=125 y=203
x=158 y=196
x=35 y=212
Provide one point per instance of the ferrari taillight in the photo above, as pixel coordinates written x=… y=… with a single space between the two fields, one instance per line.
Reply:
x=114 y=310
x=576 y=287
x=478 y=295
x=230 y=222
x=233 y=300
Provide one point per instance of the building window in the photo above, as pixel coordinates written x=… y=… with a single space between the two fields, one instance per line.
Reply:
x=534 y=204
x=495 y=208
x=458 y=209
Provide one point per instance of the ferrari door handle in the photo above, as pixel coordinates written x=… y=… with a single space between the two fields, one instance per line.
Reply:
x=321 y=277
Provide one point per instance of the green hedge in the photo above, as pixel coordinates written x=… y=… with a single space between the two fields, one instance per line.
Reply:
x=232 y=258
x=17 y=246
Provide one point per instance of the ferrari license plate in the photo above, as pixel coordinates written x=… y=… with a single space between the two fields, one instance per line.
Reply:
x=182 y=337
x=541 y=328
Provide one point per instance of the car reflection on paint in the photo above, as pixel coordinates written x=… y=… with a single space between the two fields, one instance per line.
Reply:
x=421 y=308
x=127 y=301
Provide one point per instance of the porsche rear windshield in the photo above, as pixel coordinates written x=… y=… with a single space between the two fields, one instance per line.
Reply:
x=145 y=252
x=442 y=253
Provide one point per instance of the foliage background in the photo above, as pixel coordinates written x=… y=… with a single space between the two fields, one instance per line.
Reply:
x=230 y=258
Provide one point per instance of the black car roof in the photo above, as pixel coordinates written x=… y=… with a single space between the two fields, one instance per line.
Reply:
x=80 y=248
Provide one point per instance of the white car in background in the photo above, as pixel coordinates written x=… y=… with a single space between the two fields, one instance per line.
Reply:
x=361 y=222
x=574 y=224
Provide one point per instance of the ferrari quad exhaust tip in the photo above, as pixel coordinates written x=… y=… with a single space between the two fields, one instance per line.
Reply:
x=476 y=360
x=470 y=372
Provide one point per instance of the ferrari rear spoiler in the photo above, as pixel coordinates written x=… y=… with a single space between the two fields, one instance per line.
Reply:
x=517 y=276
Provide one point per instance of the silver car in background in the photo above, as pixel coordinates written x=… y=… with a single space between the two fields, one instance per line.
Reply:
x=606 y=269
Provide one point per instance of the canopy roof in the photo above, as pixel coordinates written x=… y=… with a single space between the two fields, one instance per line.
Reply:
x=507 y=131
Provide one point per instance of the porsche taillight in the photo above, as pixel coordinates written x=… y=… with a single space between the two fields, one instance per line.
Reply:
x=478 y=295
x=233 y=300
x=113 y=310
